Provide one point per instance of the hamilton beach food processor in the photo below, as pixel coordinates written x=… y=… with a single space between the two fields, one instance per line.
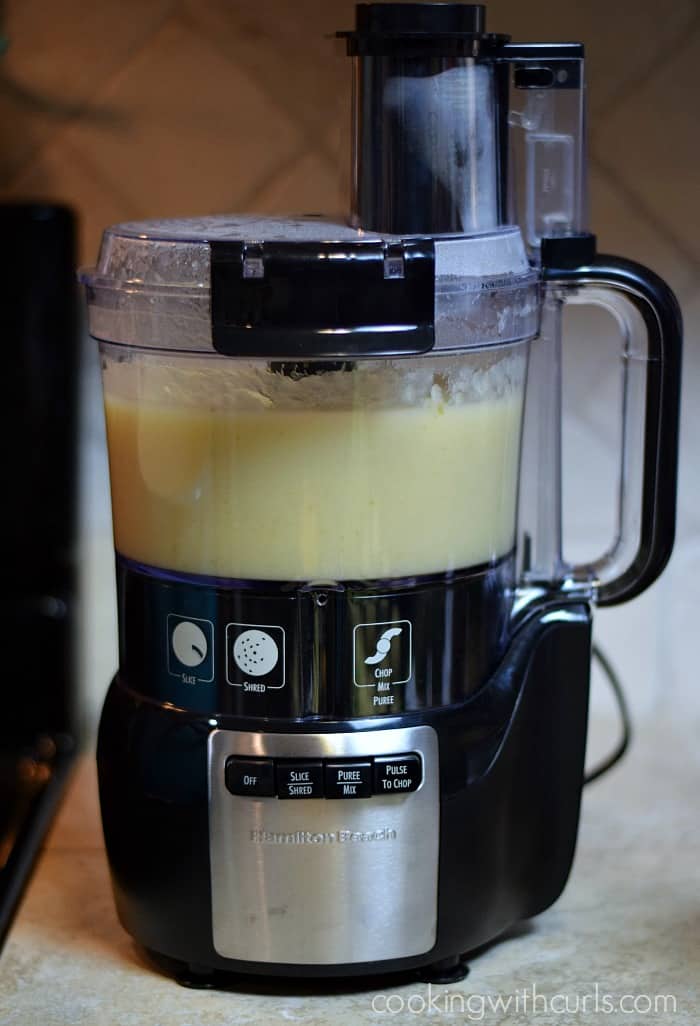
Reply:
x=348 y=729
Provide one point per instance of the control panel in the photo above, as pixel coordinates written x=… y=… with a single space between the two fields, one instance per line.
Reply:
x=349 y=778
x=301 y=875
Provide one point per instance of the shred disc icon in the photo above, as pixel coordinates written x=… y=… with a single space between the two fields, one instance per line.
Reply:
x=255 y=653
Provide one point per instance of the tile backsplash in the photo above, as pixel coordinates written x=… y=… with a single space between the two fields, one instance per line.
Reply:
x=154 y=107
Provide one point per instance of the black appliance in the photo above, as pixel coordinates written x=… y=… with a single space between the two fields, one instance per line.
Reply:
x=347 y=734
x=38 y=537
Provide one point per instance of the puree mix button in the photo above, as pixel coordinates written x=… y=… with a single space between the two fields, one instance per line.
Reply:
x=300 y=780
x=348 y=779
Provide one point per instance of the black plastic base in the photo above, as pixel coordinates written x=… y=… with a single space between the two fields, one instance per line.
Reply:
x=197 y=977
x=511 y=773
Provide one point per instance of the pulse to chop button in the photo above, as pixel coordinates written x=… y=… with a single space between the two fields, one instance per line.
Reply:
x=397 y=774
x=252 y=777
x=300 y=780
x=348 y=779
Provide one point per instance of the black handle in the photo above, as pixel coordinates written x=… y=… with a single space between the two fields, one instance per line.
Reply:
x=661 y=314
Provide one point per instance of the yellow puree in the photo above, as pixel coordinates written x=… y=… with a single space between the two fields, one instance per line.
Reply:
x=307 y=494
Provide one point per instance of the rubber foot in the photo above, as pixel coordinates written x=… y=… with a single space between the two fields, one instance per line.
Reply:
x=195 y=977
x=448 y=970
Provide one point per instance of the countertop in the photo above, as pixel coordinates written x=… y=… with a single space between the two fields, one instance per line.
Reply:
x=627 y=928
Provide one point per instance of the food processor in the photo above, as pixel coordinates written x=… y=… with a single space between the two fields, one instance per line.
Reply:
x=348 y=729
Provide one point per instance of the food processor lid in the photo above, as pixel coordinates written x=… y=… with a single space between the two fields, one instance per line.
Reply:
x=307 y=287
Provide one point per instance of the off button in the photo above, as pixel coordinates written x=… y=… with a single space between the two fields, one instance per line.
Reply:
x=252 y=777
x=397 y=774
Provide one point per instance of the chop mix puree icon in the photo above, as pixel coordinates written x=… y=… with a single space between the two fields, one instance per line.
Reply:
x=382 y=654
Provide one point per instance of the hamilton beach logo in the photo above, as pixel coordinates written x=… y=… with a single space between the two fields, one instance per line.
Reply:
x=325 y=837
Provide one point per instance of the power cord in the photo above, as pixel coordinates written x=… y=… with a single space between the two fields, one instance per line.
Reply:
x=626 y=737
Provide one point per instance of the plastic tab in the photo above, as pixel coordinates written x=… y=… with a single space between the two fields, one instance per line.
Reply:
x=315 y=300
